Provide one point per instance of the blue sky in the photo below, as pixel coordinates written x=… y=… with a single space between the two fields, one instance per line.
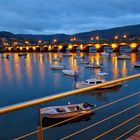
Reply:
x=66 y=16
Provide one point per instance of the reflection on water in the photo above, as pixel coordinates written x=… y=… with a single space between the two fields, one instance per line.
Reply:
x=101 y=94
x=60 y=122
x=124 y=69
x=20 y=63
x=28 y=66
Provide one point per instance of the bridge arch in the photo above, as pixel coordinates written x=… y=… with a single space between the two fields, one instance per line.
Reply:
x=124 y=47
x=106 y=47
x=73 y=47
x=89 y=48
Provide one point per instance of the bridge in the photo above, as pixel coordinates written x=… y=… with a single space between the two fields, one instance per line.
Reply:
x=71 y=47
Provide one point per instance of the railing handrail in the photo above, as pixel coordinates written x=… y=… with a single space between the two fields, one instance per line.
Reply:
x=34 y=102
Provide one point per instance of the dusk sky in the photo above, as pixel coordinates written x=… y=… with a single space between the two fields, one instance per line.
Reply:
x=66 y=16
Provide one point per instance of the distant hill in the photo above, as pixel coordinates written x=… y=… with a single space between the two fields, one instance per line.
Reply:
x=132 y=30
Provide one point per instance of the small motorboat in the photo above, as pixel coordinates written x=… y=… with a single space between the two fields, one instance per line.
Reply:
x=57 y=67
x=67 y=111
x=85 y=62
x=105 y=54
x=22 y=54
x=123 y=57
x=70 y=72
x=93 y=65
x=137 y=64
x=99 y=79
x=78 y=57
x=57 y=59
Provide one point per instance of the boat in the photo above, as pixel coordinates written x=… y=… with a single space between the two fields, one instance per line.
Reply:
x=93 y=65
x=22 y=54
x=57 y=67
x=78 y=57
x=99 y=79
x=67 y=111
x=57 y=59
x=137 y=64
x=85 y=62
x=123 y=57
x=67 y=55
x=70 y=72
x=105 y=54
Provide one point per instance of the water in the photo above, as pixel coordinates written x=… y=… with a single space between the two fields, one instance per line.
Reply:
x=23 y=79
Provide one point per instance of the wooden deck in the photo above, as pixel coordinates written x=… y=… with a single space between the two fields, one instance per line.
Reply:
x=135 y=136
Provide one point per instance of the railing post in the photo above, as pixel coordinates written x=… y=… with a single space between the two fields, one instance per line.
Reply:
x=39 y=133
x=39 y=128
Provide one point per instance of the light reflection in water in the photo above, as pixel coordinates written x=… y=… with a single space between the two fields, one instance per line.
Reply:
x=133 y=57
x=17 y=66
x=97 y=58
x=115 y=69
x=124 y=69
x=29 y=68
x=73 y=64
x=50 y=58
x=8 y=71
x=41 y=68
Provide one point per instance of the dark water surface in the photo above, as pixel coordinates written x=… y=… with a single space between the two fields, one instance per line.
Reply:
x=23 y=79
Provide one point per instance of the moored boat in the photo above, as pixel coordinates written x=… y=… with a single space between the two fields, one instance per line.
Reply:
x=137 y=64
x=67 y=111
x=57 y=67
x=70 y=72
x=123 y=57
x=93 y=65
x=105 y=54
x=85 y=62
x=99 y=79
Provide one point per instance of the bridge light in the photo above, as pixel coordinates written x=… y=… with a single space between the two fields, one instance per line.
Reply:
x=9 y=48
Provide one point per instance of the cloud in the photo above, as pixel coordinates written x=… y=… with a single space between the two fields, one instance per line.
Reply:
x=63 y=16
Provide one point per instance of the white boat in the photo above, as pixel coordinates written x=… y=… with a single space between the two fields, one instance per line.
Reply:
x=99 y=79
x=78 y=57
x=137 y=64
x=93 y=65
x=70 y=72
x=57 y=67
x=85 y=62
x=105 y=54
x=67 y=111
x=123 y=57
x=57 y=59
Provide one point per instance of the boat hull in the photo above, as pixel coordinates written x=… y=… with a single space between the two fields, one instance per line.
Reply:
x=66 y=115
x=79 y=85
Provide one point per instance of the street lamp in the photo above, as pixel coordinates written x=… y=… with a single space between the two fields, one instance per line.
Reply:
x=124 y=36
x=97 y=38
x=55 y=40
x=92 y=38
x=116 y=37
